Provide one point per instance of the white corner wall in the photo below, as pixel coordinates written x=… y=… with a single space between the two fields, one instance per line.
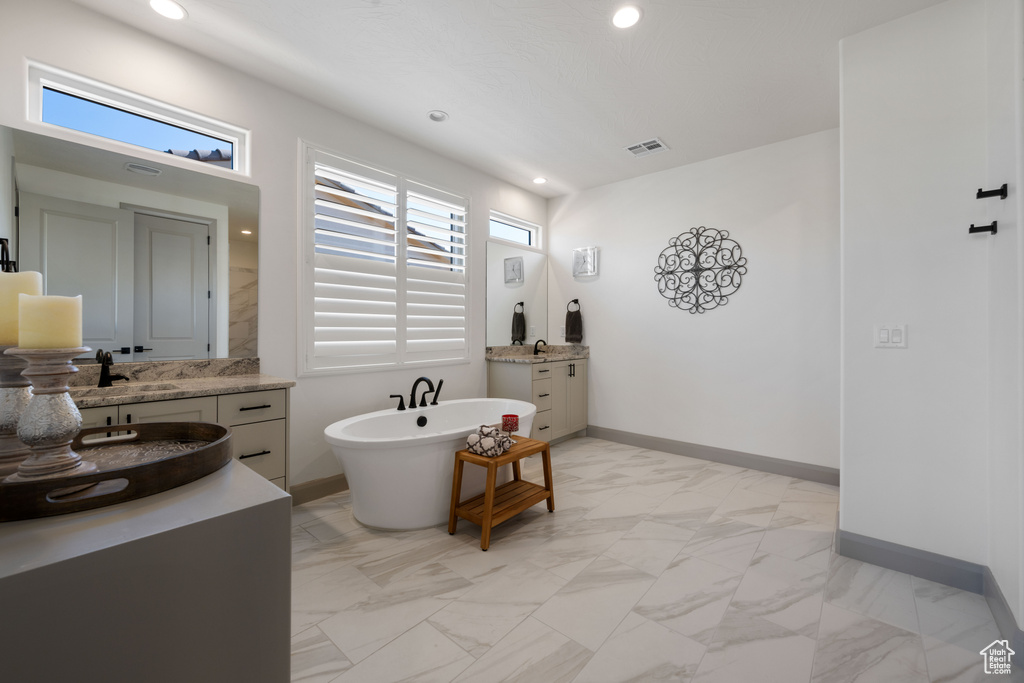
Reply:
x=759 y=375
x=7 y=185
x=1005 y=26
x=66 y=35
x=915 y=434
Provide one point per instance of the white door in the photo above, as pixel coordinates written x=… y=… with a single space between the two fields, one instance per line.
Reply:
x=172 y=292
x=83 y=249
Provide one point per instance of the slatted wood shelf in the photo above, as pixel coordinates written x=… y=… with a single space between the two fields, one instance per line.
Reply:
x=500 y=503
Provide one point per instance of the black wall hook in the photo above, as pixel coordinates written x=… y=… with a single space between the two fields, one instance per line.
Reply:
x=1001 y=193
x=984 y=228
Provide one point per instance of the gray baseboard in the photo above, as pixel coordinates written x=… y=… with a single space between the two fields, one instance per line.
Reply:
x=950 y=571
x=1003 y=616
x=926 y=565
x=318 y=488
x=761 y=463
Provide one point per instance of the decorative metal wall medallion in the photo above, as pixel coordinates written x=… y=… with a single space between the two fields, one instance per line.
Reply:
x=700 y=269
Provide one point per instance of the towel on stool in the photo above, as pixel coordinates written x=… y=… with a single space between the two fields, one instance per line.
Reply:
x=488 y=441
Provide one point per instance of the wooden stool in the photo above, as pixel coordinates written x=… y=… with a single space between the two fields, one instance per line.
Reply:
x=495 y=505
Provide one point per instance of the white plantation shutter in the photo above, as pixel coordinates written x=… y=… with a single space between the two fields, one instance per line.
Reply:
x=355 y=265
x=435 y=275
x=381 y=299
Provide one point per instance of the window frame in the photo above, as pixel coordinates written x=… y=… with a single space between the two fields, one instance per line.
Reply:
x=312 y=154
x=535 y=229
x=42 y=76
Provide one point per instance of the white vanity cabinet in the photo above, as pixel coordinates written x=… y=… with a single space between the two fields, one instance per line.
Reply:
x=259 y=431
x=258 y=421
x=203 y=409
x=557 y=388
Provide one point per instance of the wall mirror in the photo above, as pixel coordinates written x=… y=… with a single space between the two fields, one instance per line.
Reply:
x=503 y=293
x=166 y=258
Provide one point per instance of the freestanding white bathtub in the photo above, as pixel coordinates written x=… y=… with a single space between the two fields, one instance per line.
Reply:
x=400 y=473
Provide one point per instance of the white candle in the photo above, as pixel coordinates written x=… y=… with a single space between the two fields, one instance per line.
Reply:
x=11 y=285
x=49 y=322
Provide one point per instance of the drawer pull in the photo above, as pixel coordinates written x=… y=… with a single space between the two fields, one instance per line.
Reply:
x=543 y=395
x=253 y=455
x=541 y=429
x=540 y=371
x=254 y=407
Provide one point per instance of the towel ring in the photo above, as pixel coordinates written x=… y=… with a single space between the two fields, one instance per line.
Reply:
x=574 y=301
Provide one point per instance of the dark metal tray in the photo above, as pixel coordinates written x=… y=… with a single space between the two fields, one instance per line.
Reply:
x=158 y=456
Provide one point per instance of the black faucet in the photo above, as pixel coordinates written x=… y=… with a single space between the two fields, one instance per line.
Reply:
x=536 y=343
x=106 y=360
x=437 y=393
x=412 y=396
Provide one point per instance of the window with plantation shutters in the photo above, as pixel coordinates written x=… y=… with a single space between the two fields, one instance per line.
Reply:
x=388 y=276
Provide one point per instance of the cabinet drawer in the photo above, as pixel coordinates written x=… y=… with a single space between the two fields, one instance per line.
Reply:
x=541 y=370
x=542 y=394
x=261 y=446
x=541 y=425
x=254 y=406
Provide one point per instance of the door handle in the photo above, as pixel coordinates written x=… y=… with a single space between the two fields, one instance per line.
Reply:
x=139 y=349
x=543 y=395
x=253 y=455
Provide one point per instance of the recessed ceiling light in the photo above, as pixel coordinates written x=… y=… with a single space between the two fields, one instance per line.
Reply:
x=626 y=16
x=437 y=116
x=168 y=8
x=540 y=181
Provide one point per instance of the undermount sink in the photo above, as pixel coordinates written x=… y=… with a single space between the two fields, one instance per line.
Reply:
x=122 y=389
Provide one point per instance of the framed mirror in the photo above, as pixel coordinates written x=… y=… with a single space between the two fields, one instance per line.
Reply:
x=516 y=274
x=166 y=258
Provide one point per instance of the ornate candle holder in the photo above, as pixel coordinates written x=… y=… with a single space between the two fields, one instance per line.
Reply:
x=51 y=419
x=14 y=398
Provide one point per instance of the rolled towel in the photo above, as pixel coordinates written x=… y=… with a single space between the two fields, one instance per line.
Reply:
x=488 y=441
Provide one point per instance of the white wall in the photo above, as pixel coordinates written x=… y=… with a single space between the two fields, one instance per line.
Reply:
x=759 y=375
x=7 y=185
x=1006 y=305
x=67 y=36
x=915 y=435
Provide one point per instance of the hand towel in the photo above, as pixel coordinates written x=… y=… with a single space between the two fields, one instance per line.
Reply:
x=518 y=324
x=573 y=323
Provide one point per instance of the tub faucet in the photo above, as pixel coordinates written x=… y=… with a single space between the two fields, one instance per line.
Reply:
x=106 y=360
x=537 y=343
x=412 y=396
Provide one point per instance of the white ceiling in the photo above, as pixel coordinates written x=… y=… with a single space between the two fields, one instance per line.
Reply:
x=545 y=87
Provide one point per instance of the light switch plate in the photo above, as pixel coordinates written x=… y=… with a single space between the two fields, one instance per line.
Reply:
x=890 y=336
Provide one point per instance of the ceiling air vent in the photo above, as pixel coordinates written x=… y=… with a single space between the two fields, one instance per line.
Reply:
x=141 y=170
x=647 y=148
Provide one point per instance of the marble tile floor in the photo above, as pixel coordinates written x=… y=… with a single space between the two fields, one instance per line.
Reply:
x=653 y=567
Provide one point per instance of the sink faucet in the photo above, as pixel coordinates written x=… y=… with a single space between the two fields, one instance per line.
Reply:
x=106 y=360
x=412 y=396
x=536 y=344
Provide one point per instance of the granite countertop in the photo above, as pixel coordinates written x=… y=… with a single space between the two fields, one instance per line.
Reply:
x=143 y=392
x=524 y=354
x=162 y=381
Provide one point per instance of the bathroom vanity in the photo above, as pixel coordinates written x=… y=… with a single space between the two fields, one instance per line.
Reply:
x=555 y=381
x=190 y=584
x=233 y=394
